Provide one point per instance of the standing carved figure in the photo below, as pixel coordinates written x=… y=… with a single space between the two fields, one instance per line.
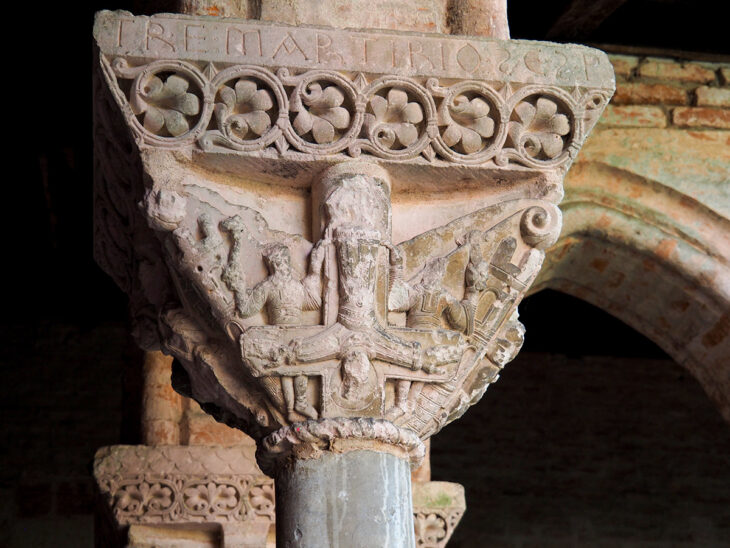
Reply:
x=282 y=295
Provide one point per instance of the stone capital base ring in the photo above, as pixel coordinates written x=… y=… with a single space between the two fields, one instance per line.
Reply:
x=310 y=439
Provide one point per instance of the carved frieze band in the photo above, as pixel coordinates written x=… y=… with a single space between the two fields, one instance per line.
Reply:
x=434 y=526
x=249 y=108
x=179 y=483
x=247 y=87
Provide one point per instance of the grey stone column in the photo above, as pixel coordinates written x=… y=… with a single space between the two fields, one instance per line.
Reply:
x=342 y=483
x=359 y=499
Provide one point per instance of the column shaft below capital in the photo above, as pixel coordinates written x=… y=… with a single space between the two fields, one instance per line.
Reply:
x=358 y=499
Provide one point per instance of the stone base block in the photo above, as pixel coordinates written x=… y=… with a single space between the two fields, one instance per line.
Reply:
x=212 y=496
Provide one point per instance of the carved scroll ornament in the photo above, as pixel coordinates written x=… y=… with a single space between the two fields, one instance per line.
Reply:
x=244 y=87
x=344 y=334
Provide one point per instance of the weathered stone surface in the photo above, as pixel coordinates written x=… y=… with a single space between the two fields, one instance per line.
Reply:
x=668 y=70
x=437 y=129
x=633 y=116
x=232 y=42
x=689 y=163
x=418 y=15
x=173 y=484
x=149 y=536
x=245 y=9
x=725 y=75
x=438 y=507
x=479 y=18
x=646 y=237
x=302 y=310
x=331 y=489
x=468 y=17
x=713 y=97
x=162 y=407
x=638 y=93
x=701 y=117
x=199 y=428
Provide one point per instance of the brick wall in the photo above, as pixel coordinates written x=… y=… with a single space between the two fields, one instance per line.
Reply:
x=659 y=92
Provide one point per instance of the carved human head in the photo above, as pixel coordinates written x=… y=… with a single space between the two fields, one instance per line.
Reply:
x=433 y=272
x=355 y=373
x=278 y=259
x=165 y=208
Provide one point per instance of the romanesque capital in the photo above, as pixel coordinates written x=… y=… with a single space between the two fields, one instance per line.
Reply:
x=331 y=230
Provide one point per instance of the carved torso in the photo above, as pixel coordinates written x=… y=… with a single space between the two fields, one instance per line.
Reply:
x=285 y=300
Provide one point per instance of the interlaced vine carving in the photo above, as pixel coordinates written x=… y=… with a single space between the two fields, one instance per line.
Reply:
x=249 y=108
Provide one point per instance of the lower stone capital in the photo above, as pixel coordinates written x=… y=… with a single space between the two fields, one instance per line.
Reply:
x=310 y=439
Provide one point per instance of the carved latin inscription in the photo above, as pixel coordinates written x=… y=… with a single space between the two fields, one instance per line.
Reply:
x=231 y=41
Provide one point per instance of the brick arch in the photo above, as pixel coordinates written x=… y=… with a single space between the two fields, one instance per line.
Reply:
x=646 y=234
x=651 y=254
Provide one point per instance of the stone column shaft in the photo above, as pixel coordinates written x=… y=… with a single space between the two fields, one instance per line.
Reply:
x=161 y=405
x=359 y=499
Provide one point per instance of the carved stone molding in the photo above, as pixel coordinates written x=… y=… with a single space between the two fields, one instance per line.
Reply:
x=307 y=439
x=261 y=228
x=186 y=485
x=438 y=507
x=175 y=484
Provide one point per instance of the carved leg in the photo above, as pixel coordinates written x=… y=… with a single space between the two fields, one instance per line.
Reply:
x=402 y=389
x=300 y=396
x=287 y=389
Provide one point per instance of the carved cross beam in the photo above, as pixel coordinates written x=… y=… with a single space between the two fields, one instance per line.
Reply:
x=331 y=230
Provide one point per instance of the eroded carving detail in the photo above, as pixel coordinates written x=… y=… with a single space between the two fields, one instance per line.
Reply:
x=393 y=117
x=315 y=326
x=434 y=527
x=451 y=107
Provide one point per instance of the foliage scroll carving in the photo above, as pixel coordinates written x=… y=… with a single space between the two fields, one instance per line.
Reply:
x=249 y=108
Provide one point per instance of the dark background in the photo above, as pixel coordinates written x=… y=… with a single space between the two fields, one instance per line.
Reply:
x=581 y=437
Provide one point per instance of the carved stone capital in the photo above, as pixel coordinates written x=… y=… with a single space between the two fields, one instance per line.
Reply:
x=331 y=230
